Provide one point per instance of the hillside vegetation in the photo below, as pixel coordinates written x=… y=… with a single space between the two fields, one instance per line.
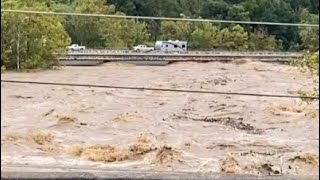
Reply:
x=32 y=41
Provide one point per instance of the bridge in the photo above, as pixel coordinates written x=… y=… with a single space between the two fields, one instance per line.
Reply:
x=96 y=57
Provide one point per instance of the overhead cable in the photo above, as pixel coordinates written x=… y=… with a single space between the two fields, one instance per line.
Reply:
x=159 y=89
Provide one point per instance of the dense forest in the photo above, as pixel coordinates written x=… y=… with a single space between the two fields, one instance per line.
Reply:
x=28 y=39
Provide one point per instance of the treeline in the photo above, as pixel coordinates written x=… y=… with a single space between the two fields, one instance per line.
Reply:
x=92 y=32
x=287 y=11
x=30 y=41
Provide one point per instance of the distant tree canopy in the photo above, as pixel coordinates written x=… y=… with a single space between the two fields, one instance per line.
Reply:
x=32 y=41
x=286 y=11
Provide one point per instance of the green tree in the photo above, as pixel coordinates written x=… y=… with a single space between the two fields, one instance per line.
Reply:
x=175 y=30
x=266 y=43
x=125 y=33
x=276 y=11
x=89 y=31
x=239 y=38
x=309 y=35
x=204 y=37
x=96 y=32
x=238 y=13
x=207 y=37
x=138 y=7
x=30 y=41
x=191 y=8
x=217 y=9
x=286 y=11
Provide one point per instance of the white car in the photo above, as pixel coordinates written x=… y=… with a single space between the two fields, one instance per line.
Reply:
x=142 y=48
x=76 y=47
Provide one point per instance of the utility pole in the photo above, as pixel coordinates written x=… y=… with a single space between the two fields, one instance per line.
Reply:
x=18 y=51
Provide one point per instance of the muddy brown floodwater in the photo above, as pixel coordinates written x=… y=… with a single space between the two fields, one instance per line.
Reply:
x=44 y=125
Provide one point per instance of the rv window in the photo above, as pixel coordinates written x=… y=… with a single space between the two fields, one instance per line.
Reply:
x=183 y=46
x=167 y=45
x=175 y=46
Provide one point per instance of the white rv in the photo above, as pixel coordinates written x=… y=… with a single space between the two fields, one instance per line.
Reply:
x=171 y=46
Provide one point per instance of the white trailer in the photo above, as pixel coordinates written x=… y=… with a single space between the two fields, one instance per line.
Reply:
x=171 y=46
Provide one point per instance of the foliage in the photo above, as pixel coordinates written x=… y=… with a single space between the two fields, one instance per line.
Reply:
x=95 y=32
x=286 y=11
x=304 y=96
x=29 y=42
x=268 y=43
x=204 y=37
x=207 y=36
x=171 y=30
x=310 y=62
x=236 y=39
x=125 y=33
x=309 y=36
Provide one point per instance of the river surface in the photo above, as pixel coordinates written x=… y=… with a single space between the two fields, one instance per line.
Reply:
x=86 y=127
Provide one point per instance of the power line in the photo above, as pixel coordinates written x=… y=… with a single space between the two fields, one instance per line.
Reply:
x=158 y=89
x=158 y=18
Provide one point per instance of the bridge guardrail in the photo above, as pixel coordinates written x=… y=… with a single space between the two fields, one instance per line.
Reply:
x=98 y=51
x=181 y=55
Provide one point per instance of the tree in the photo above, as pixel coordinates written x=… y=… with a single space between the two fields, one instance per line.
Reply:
x=309 y=35
x=311 y=5
x=96 y=32
x=30 y=41
x=137 y=7
x=266 y=43
x=239 y=38
x=204 y=37
x=286 y=11
x=276 y=11
x=238 y=13
x=89 y=31
x=125 y=33
x=215 y=9
x=171 y=30
x=191 y=8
